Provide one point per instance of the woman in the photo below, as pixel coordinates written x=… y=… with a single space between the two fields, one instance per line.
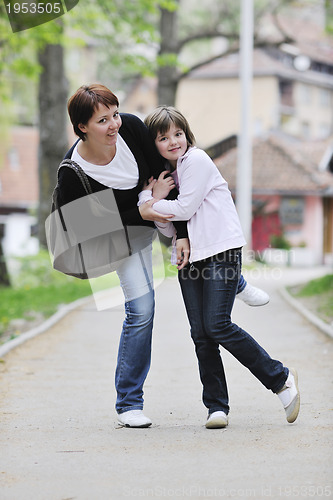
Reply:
x=116 y=152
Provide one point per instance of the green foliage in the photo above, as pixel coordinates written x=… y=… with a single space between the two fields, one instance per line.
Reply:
x=33 y=271
x=19 y=60
x=317 y=296
x=27 y=302
x=37 y=290
x=318 y=286
x=121 y=28
x=329 y=16
x=279 y=241
x=170 y=5
x=126 y=32
x=167 y=60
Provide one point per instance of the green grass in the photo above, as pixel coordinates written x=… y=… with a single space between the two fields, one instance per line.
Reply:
x=37 y=290
x=317 y=296
x=24 y=302
x=317 y=286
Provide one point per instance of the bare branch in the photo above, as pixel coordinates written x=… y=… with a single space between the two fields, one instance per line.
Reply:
x=206 y=35
x=287 y=38
x=232 y=50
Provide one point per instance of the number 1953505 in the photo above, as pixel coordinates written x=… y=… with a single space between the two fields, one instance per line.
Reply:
x=34 y=8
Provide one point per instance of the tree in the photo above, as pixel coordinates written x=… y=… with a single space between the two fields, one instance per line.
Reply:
x=126 y=29
x=53 y=141
x=43 y=62
x=221 y=21
x=329 y=16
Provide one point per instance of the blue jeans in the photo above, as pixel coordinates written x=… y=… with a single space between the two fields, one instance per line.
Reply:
x=134 y=354
x=209 y=288
x=241 y=284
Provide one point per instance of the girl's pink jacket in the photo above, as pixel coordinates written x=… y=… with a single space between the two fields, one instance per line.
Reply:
x=205 y=201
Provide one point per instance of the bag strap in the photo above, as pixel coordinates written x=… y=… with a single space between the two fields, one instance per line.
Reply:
x=79 y=171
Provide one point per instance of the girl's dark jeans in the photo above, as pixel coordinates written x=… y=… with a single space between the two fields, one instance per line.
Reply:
x=209 y=287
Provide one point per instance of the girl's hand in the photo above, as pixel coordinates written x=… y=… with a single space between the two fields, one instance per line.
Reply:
x=183 y=252
x=148 y=213
x=149 y=185
x=163 y=186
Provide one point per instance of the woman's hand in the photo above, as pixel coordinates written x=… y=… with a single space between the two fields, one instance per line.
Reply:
x=163 y=186
x=183 y=252
x=148 y=213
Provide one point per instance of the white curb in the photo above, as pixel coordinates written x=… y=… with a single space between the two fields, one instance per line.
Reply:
x=324 y=327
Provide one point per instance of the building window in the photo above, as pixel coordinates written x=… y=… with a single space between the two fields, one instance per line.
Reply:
x=330 y=165
x=292 y=210
x=324 y=97
x=324 y=130
x=305 y=130
x=14 y=159
x=306 y=94
x=286 y=93
x=34 y=230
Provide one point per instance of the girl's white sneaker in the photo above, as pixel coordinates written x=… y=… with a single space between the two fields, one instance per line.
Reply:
x=253 y=296
x=217 y=420
x=290 y=396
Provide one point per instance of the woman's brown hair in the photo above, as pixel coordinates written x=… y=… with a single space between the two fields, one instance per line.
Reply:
x=82 y=105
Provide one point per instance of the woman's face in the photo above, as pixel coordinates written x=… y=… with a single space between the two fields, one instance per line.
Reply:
x=103 y=126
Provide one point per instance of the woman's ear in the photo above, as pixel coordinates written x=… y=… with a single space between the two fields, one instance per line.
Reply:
x=82 y=127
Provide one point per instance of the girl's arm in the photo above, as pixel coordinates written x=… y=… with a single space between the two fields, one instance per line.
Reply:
x=193 y=189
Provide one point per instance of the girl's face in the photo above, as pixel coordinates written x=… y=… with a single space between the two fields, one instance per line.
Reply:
x=172 y=145
x=103 y=126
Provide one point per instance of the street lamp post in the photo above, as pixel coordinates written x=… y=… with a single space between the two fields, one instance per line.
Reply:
x=244 y=160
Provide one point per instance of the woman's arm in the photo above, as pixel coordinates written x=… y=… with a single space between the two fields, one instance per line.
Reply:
x=166 y=228
x=139 y=140
x=70 y=186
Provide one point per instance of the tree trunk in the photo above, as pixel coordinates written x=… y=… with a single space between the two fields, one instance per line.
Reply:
x=53 y=141
x=168 y=74
x=4 y=277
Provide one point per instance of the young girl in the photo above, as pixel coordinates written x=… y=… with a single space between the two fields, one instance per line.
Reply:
x=209 y=283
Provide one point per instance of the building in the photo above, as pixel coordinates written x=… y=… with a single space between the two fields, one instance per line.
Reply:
x=19 y=192
x=292 y=186
x=283 y=97
x=292 y=129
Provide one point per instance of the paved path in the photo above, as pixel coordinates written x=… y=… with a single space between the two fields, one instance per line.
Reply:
x=60 y=440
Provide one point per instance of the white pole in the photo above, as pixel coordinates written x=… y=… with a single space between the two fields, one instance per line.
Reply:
x=244 y=161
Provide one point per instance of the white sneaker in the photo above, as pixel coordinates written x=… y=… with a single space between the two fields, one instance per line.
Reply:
x=290 y=397
x=253 y=296
x=133 y=418
x=217 y=420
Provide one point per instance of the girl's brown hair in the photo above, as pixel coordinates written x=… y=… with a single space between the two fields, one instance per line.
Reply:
x=160 y=120
x=82 y=105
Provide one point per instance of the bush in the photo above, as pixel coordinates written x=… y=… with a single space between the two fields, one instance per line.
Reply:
x=279 y=241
